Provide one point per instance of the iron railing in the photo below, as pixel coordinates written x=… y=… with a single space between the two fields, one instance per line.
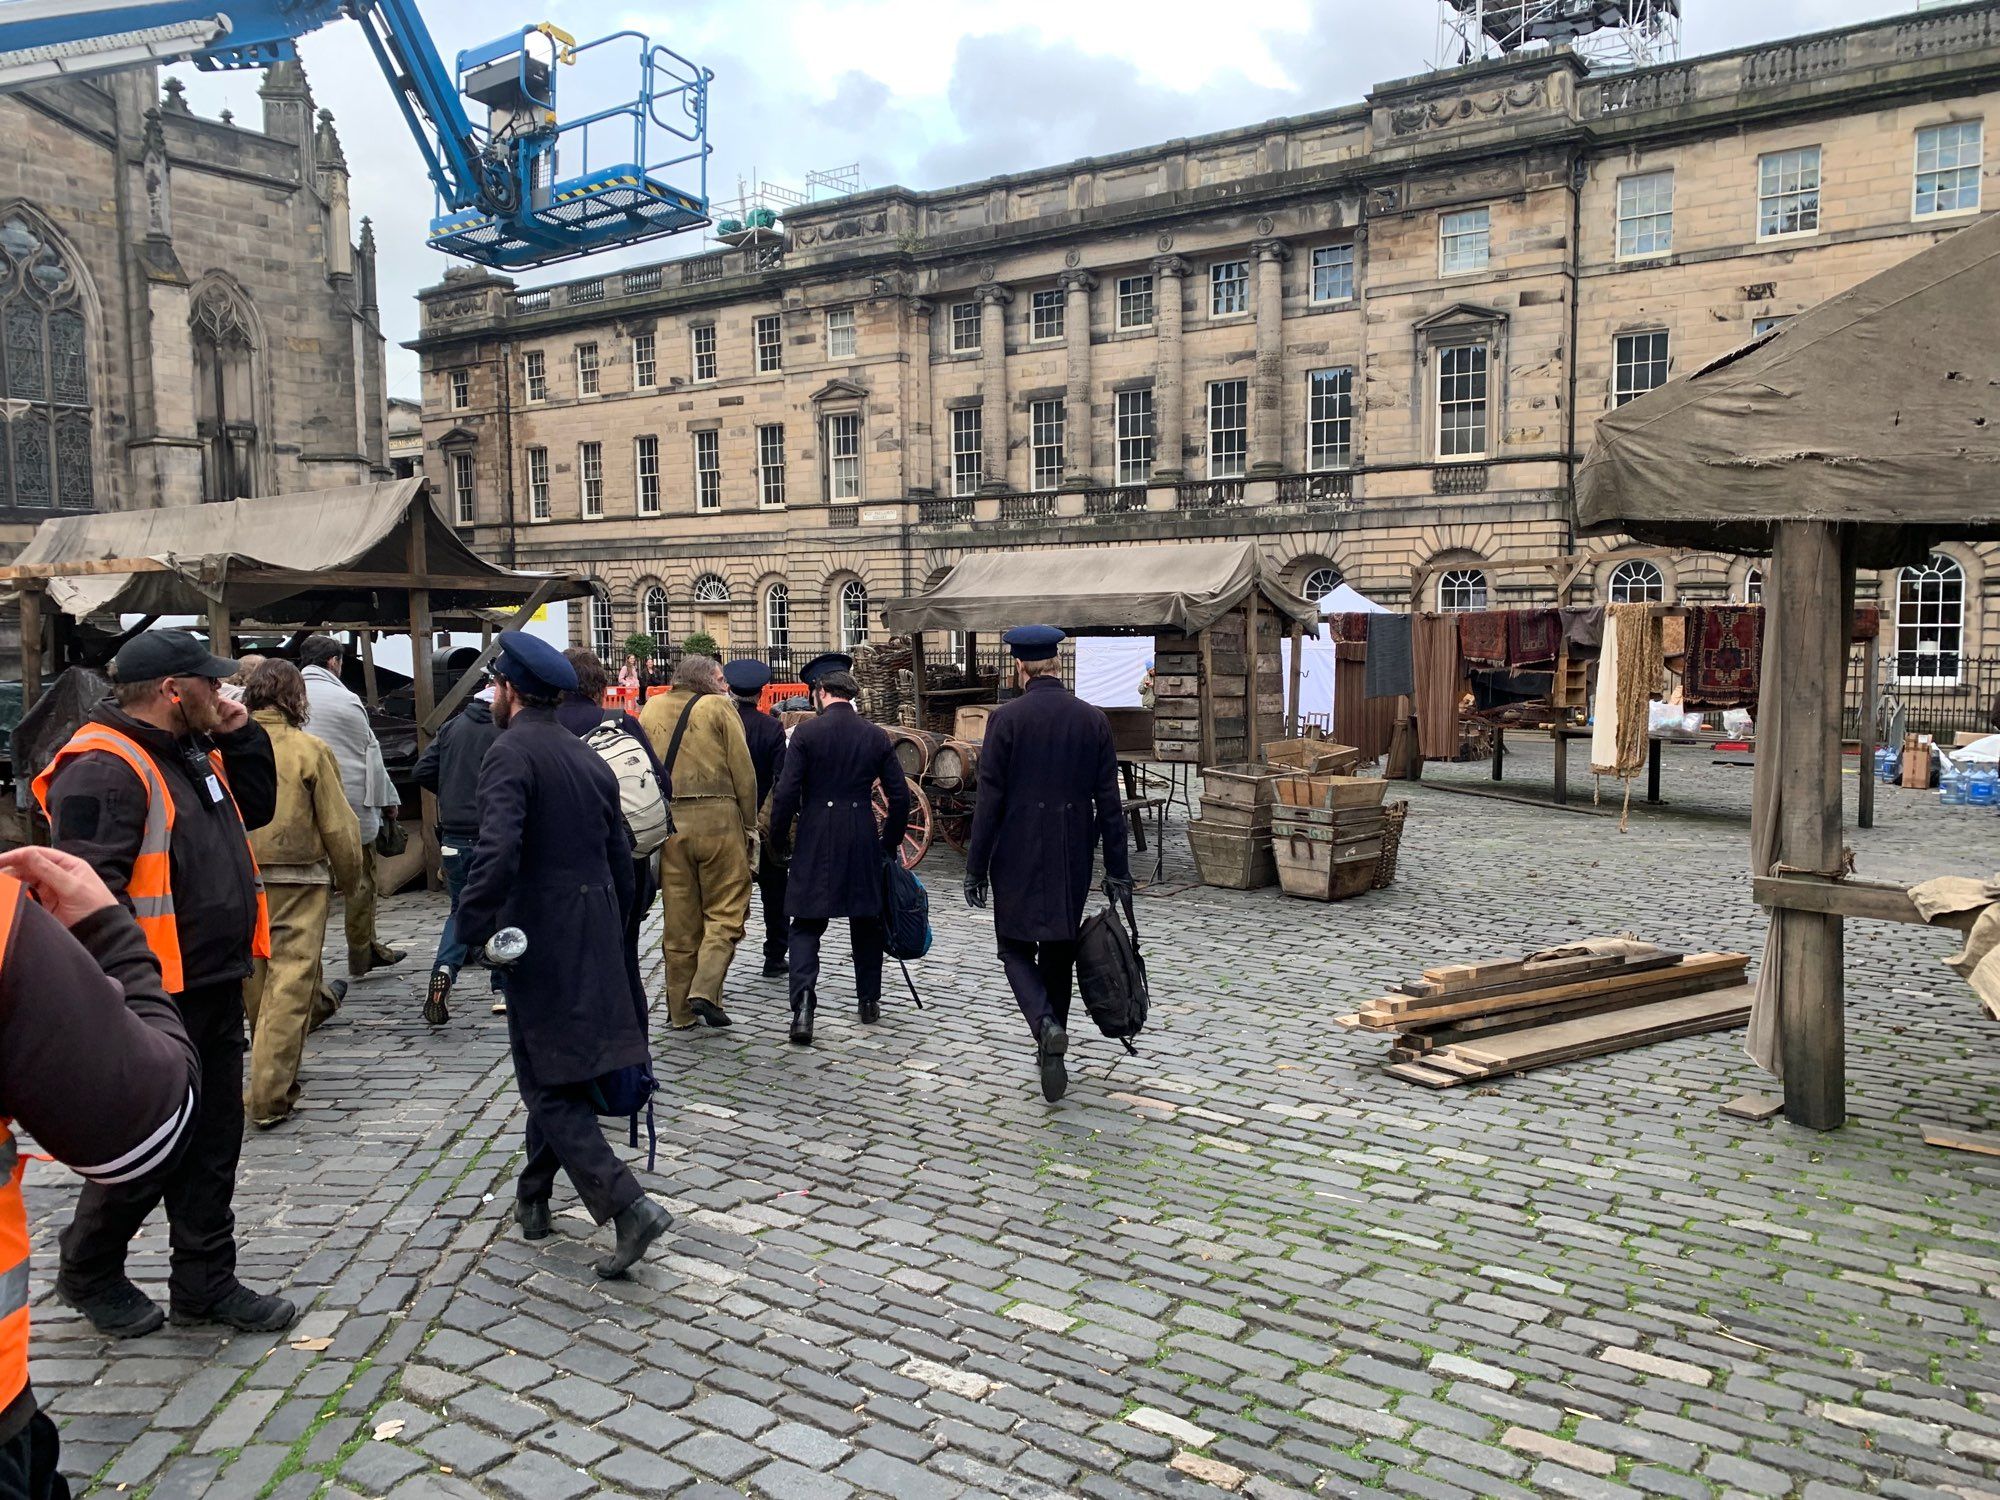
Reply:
x=1938 y=695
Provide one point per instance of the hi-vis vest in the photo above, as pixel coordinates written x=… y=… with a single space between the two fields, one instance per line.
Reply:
x=151 y=886
x=13 y=1215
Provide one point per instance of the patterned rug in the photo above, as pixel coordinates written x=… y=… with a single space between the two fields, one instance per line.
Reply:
x=1534 y=636
x=1482 y=637
x=1724 y=649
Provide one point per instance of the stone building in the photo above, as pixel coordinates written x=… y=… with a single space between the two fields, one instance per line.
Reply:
x=1371 y=338
x=187 y=316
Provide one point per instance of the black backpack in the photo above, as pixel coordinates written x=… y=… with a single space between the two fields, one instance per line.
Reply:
x=906 y=913
x=1111 y=974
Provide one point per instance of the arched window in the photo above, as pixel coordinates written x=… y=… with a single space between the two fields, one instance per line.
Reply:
x=1753 y=586
x=711 y=588
x=1636 y=581
x=225 y=393
x=853 y=614
x=1319 y=583
x=1462 y=588
x=603 y=633
x=1930 y=619
x=45 y=415
x=778 y=626
x=653 y=605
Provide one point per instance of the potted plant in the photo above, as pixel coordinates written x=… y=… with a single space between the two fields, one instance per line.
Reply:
x=701 y=643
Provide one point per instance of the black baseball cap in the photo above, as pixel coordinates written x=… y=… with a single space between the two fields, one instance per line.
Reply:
x=168 y=653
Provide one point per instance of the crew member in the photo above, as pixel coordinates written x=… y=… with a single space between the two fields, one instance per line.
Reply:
x=832 y=767
x=1048 y=792
x=705 y=867
x=96 y=1065
x=157 y=791
x=449 y=770
x=554 y=859
x=747 y=679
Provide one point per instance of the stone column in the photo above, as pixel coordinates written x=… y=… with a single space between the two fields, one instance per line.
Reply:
x=920 y=442
x=1169 y=400
x=993 y=300
x=1079 y=428
x=1267 y=396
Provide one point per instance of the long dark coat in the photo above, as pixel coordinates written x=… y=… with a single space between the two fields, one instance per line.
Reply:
x=831 y=768
x=1048 y=792
x=555 y=860
x=766 y=738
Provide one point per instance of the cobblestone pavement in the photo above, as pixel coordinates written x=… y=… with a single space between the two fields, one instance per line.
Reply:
x=1246 y=1260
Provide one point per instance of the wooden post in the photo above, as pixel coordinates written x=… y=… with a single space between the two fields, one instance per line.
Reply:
x=917 y=673
x=1807 y=579
x=423 y=687
x=31 y=644
x=218 y=628
x=1871 y=698
x=1206 y=689
x=1253 y=742
x=370 y=690
x=1295 y=725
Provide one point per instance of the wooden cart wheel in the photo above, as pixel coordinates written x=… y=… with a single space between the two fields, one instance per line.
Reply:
x=955 y=827
x=917 y=837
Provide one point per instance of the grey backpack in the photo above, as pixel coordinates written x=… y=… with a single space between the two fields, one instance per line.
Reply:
x=639 y=796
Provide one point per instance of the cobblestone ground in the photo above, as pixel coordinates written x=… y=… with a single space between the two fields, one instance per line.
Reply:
x=1246 y=1260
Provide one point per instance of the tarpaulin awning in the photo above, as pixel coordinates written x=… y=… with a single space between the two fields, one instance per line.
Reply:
x=302 y=558
x=1879 y=407
x=1103 y=589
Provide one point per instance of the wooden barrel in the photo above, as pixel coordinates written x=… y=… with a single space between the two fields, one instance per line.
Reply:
x=914 y=749
x=955 y=764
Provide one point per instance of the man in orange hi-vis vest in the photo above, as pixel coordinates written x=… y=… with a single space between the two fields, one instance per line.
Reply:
x=156 y=791
x=95 y=1064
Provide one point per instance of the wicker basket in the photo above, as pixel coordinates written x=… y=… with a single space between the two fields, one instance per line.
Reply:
x=1392 y=843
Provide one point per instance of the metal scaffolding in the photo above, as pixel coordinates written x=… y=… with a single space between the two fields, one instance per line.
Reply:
x=1610 y=34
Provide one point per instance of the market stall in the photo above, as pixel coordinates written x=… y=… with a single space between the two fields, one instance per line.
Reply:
x=1860 y=434
x=368 y=557
x=1214 y=611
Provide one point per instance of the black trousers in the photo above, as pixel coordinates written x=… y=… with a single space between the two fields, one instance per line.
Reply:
x=28 y=1463
x=771 y=882
x=1042 y=977
x=563 y=1131
x=197 y=1191
x=864 y=939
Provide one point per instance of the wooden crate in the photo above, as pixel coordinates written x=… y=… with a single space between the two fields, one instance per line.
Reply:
x=1131 y=730
x=1325 y=870
x=1243 y=786
x=1310 y=755
x=1230 y=858
x=1318 y=789
x=969 y=723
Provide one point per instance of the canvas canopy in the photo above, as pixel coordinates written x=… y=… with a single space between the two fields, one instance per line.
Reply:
x=281 y=560
x=1098 y=589
x=1879 y=407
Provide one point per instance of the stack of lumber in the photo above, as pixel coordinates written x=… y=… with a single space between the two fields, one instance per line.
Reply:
x=1176 y=696
x=1462 y=1023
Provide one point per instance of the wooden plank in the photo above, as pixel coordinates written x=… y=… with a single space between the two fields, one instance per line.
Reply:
x=1872 y=900
x=31 y=646
x=1809 y=602
x=1256 y=739
x=1521 y=1048
x=1207 y=705
x=1871 y=691
x=1661 y=984
x=42 y=572
x=1983 y=1142
x=1593 y=984
x=1459 y=978
x=1538 y=1015
x=1414 y=988
x=1429 y=1077
x=469 y=679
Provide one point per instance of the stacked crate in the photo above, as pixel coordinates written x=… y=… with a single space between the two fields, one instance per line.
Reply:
x=1235 y=680
x=1176 y=697
x=1231 y=840
x=1326 y=834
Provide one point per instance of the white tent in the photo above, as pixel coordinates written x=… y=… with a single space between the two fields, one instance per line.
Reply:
x=1109 y=668
x=1316 y=667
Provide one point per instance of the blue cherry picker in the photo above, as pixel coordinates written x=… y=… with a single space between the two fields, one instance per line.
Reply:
x=524 y=188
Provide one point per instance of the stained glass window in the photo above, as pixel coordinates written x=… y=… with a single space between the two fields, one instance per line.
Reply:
x=45 y=415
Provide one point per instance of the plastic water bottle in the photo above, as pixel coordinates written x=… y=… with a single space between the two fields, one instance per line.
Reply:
x=1951 y=786
x=1888 y=765
x=1982 y=786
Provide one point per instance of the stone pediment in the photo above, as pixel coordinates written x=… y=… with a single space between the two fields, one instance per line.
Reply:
x=840 y=390
x=1461 y=315
x=457 y=437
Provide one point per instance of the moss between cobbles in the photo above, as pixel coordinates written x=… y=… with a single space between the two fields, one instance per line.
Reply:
x=294 y=1461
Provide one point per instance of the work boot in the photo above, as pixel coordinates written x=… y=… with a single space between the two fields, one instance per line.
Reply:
x=382 y=956
x=1049 y=1049
x=435 y=1011
x=326 y=1004
x=710 y=1013
x=775 y=968
x=241 y=1308
x=120 y=1311
x=871 y=1011
x=802 y=1018
x=637 y=1226
x=532 y=1214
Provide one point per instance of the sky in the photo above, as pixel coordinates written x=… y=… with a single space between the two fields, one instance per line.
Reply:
x=924 y=93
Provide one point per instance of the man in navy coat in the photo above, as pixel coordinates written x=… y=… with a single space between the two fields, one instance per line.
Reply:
x=1048 y=792
x=747 y=679
x=832 y=768
x=554 y=859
